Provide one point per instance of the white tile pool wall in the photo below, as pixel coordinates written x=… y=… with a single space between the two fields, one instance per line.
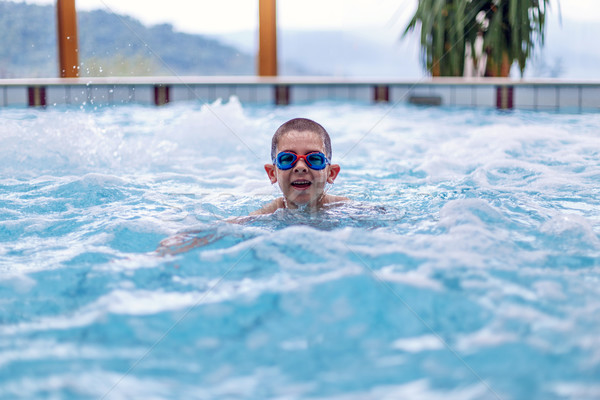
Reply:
x=550 y=96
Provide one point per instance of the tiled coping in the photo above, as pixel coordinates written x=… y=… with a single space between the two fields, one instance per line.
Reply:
x=551 y=95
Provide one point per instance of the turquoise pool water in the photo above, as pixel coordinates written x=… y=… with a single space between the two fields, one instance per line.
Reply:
x=466 y=267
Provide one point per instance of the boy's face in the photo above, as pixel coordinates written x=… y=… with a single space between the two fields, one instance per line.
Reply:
x=300 y=184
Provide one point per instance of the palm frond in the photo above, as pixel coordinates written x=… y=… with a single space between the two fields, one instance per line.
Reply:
x=514 y=28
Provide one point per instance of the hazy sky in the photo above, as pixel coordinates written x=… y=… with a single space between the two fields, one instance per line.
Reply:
x=219 y=16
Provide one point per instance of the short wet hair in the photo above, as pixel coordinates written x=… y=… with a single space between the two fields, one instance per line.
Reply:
x=301 y=125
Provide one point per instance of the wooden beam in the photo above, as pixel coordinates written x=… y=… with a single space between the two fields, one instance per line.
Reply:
x=267 y=45
x=68 y=48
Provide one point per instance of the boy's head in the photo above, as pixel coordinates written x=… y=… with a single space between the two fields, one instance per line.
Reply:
x=306 y=166
x=301 y=125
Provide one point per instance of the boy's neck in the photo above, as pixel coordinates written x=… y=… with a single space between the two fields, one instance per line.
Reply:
x=307 y=206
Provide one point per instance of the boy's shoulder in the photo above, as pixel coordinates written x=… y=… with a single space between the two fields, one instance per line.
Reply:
x=271 y=207
x=280 y=203
x=329 y=198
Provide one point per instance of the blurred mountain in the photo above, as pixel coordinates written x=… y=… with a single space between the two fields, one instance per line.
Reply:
x=110 y=44
x=367 y=53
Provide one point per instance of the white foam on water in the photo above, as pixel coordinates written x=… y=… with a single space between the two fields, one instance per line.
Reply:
x=576 y=391
x=418 y=278
x=17 y=281
x=128 y=300
x=419 y=344
x=493 y=214
x=487 y=337
x=571 y=231
x=549 y=290
x=419 y=389
x=56 y=142
x=94 y=384
x=44 y=350
x=172 y=138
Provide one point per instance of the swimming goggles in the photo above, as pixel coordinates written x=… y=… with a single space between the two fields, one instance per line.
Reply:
x=287 y=159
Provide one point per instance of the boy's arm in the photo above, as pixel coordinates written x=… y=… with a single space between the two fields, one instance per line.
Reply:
x=184 y=242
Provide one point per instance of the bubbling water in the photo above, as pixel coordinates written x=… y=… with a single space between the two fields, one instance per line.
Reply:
x=465 y=265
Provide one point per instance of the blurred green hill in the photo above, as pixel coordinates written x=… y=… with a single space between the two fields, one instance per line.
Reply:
x=110 y=45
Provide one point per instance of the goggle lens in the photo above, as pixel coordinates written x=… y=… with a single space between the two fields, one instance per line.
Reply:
x=285 y=159
x=316 y=161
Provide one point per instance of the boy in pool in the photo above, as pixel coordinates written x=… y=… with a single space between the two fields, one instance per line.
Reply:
x=301 y=154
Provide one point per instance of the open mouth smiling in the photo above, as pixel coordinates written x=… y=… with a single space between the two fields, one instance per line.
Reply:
x=301 y=184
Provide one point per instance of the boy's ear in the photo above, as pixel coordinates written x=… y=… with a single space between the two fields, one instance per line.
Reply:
x=334 y=170
x=271 y=172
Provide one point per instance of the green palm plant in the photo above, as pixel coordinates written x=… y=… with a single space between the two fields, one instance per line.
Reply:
x=510 y=30
x=442 y=35
x=514 y=28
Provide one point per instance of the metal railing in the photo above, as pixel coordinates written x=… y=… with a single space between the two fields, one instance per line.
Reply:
x=549 y=94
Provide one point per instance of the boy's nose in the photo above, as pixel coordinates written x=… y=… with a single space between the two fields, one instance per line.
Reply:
x=300 y=167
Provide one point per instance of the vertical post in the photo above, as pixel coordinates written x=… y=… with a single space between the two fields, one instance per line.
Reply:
x=267 y=44
x=161 y=95
x=282 y=95
x=504 y=97
x=36 y=96
x=68 y=49
x=381 y=93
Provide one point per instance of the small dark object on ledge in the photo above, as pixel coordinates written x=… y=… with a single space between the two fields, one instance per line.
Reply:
x=425 y=100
